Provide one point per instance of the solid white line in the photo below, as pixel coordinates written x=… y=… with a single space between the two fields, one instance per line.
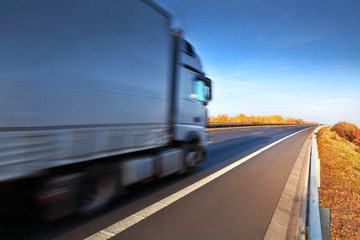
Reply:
x=148 y=211
x=107 y=233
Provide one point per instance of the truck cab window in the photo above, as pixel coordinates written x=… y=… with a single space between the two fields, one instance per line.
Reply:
x=201 y=90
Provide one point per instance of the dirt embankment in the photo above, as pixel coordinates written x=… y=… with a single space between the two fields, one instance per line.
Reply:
x=340 y=183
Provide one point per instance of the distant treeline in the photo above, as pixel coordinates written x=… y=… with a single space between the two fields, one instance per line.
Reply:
x=242 y=118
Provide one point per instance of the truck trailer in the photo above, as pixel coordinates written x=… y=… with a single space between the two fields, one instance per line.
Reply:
x=95 y=96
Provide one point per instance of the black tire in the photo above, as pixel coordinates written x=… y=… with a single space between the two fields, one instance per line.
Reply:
x=193 y=155
x=95 y=191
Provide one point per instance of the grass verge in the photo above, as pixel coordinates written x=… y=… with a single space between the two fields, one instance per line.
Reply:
x=340 y=183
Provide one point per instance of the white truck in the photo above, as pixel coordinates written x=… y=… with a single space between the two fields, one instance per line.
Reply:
x=95 y=96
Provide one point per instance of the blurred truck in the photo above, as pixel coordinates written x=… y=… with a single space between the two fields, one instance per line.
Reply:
x=94 y=97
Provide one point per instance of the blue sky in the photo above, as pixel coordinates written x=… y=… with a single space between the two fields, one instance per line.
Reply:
x=295 y=58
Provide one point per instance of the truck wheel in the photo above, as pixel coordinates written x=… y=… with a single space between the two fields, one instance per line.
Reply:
x=95 y=191
x=192 y=156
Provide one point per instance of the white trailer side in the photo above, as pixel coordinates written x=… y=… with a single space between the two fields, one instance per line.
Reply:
x=93 y=84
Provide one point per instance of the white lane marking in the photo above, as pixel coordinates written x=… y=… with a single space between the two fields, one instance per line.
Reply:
x=107 y=233
x=256 y=133
x=237 y=129
x=124 y=224
x=279 y=129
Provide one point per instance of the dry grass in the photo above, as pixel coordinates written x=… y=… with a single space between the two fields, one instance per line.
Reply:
x=340 y=183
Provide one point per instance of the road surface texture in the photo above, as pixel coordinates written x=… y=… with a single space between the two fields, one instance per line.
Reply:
x=237 y=204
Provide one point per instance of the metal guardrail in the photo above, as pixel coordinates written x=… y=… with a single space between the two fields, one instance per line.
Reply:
x=244 y=124
x=314 y=223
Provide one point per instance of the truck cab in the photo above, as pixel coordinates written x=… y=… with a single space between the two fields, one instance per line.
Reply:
x=192 y=94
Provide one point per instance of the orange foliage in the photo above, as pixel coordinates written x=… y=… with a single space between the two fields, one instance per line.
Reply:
x=242 y=118
x=357 y=134
x=346 y=130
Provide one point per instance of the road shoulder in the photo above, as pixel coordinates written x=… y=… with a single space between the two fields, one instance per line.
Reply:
x=290 y=214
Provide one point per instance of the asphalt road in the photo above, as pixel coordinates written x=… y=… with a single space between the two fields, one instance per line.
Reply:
x=236 y=205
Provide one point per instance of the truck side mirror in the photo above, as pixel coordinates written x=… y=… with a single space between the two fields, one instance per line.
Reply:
x=208 y=90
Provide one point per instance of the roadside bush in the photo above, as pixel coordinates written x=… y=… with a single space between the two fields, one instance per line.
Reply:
x=346 y=130
x=357 y=134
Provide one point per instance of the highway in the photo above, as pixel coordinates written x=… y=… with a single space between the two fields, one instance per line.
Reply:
x=236 y=203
